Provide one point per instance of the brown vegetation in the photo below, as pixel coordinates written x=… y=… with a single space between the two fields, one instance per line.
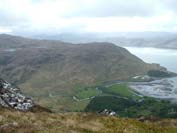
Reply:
x=12 y=121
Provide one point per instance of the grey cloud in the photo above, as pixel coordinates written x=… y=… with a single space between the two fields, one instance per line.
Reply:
x=10 y=19
x=107 y=8
x=99 y=8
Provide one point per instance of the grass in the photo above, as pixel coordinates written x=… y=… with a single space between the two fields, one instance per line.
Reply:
x=86 y=93
x=19 y=122
x=121 y=90
x=59 y=102
x=63 y=103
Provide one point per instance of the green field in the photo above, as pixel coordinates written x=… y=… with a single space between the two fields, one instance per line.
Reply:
x=86 y=93
x=118 y=97
x=64 y=101
x=121 y=90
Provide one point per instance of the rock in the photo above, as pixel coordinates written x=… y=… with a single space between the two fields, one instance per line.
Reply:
x=13 y=97
x=15 y=123
x=108 y=112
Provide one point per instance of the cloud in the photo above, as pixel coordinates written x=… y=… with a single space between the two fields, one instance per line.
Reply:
x=88 y=15
x=170 y=5
x=12 y=15
x=105 y=8
x=5 y=30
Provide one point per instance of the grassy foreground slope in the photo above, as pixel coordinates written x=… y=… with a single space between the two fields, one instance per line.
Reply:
x=19 y=122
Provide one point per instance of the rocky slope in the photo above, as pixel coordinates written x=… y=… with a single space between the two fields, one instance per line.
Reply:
x=12 y=97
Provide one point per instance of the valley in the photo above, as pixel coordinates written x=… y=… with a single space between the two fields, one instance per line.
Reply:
x=72 y=83
x=88 y=66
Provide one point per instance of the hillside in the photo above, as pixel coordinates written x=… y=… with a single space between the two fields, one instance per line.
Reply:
x=12 y=121
x=50 y=71
x=18 y=114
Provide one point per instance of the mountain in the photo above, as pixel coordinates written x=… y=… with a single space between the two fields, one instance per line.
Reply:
x=61 y=76
x=17 y=42
x=53 y=71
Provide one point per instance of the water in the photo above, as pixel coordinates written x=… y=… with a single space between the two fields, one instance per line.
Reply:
x=164 y=88
x=165 y=57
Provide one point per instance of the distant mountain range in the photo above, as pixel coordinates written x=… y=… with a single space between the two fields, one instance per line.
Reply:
x=139 y=39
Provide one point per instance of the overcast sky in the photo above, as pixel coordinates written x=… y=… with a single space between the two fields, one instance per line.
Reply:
x=59 y=16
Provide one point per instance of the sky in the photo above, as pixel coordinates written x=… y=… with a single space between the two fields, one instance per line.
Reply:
x=87 y=16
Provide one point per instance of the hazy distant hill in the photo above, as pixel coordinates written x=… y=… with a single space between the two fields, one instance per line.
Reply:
x=44 y=67
x=140 y=39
